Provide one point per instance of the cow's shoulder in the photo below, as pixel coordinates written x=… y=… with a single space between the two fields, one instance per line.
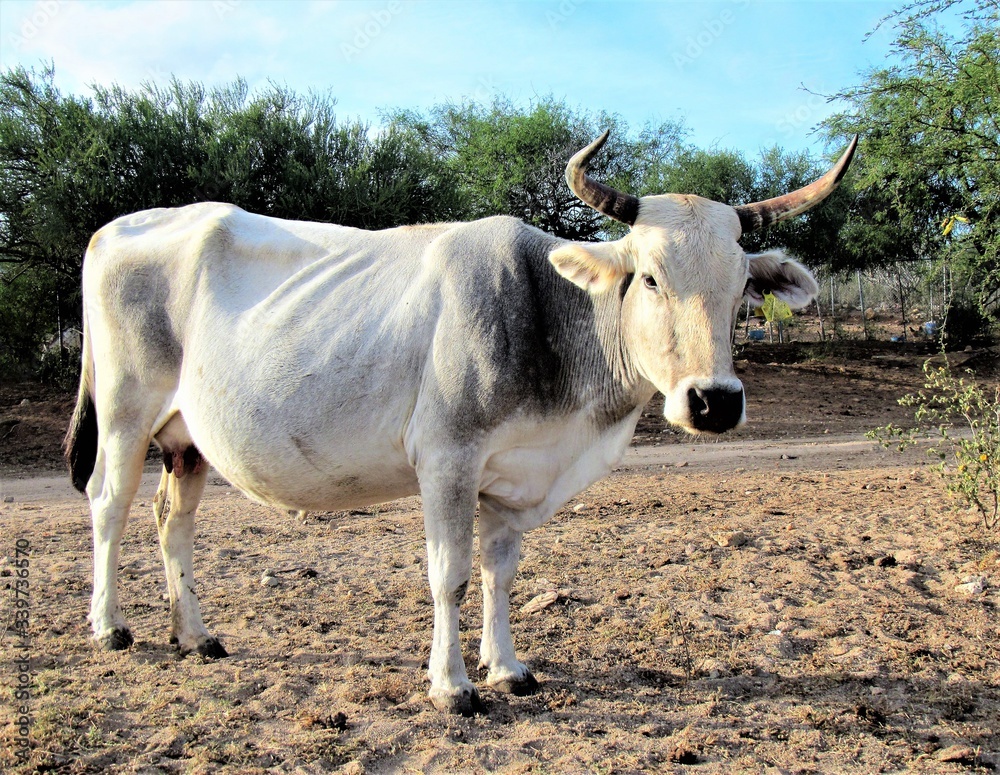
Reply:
x=486 y=244
x=498 y=265
x=511 y=330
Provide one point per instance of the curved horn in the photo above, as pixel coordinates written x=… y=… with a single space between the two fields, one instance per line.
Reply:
x=604 y=199
x=760 y=214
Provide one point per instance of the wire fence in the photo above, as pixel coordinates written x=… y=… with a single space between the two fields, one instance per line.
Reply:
x=901 y=303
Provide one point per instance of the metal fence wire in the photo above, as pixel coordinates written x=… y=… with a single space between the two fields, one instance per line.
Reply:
x=901 y=303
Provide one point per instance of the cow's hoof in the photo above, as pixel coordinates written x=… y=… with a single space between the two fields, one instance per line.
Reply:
x=119 y=639
x=466 y=702
x=518 y=686
x=210 y=648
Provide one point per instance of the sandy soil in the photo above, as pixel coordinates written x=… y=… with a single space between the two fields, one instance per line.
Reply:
x=792 y=599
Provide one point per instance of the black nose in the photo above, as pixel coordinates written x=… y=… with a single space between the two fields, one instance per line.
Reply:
x=715 y=410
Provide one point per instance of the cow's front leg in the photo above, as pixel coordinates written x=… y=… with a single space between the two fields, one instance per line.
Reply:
x=500 y=551
x=449 y=513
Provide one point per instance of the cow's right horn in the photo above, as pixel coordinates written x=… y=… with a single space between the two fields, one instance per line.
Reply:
x=760 y=214
x=604 y=199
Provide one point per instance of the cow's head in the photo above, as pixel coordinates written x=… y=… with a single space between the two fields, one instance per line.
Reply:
x=690 y=276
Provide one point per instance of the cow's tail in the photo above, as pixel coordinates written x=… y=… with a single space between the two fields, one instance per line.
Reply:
x=80 y=445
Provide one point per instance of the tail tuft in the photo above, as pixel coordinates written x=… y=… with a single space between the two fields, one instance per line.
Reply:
x=80 y=445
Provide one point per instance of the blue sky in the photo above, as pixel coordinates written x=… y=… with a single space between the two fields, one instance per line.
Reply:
x=738 y=72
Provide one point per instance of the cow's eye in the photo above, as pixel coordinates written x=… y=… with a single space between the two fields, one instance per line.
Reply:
x=649 y=282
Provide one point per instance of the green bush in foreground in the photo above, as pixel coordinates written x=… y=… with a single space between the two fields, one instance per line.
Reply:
x=962 y=422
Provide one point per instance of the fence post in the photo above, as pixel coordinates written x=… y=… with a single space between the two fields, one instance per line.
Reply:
x=930 y=296
x=902 y=300
x=945 y=296
x=833 y=307
x=59 y=324
x=861 y=301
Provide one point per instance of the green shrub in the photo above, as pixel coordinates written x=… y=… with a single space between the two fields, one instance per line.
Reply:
x=962 y=422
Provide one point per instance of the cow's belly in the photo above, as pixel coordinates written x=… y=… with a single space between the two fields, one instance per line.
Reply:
x=533 y=467
x=356 y=481
x=313 y=456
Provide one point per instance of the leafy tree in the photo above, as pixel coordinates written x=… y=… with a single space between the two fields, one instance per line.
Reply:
x=30 y=301
x=44 y=216
x=512 y=160
x=722 y=175
x=68 y=165
x=929 y=179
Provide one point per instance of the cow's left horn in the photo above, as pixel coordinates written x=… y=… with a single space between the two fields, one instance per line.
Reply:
x=604 y=199
x=760 y=214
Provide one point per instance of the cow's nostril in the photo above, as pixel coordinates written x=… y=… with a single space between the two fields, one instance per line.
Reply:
x=715 y=410
x=697 y=402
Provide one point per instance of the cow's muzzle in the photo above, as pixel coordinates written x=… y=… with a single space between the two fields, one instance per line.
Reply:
x=716 y=408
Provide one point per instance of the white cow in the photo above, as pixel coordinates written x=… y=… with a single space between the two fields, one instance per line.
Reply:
x=321 y=367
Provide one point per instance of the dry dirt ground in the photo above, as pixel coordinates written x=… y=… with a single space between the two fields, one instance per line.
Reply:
x=787 y=600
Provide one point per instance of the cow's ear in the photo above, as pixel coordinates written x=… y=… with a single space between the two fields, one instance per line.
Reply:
x=774 y=272
x=594 y=266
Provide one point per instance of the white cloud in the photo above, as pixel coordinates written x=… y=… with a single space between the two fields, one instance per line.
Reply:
x=129 y=43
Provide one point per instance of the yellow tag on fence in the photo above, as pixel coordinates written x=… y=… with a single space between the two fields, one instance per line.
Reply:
x=775 y=310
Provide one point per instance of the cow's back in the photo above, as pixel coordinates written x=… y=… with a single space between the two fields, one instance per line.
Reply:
x=219 y=256
x=282 y=343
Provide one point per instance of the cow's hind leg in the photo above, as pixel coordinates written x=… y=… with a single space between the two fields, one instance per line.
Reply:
x=112 y=486
x=500 y=550
x=182 y=484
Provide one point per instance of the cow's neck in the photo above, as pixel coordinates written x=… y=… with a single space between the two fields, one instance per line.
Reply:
x=588 y=333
